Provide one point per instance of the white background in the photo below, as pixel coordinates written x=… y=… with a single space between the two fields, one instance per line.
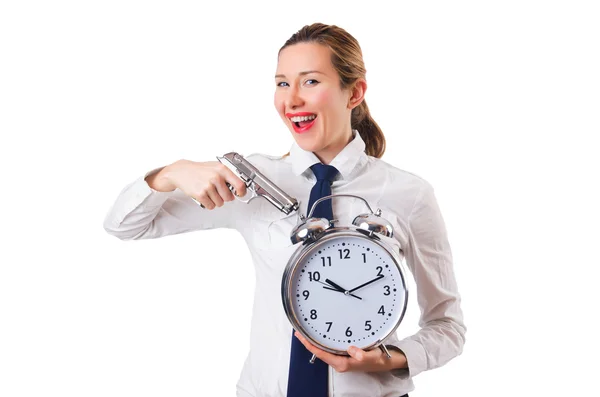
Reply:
x=494 y=103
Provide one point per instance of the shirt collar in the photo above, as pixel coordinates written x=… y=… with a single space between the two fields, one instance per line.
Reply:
x=345 y=162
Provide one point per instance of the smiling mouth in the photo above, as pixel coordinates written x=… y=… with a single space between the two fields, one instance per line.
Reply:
x=303 y=123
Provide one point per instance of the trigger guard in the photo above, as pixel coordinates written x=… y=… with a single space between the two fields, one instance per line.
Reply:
x=252 y=196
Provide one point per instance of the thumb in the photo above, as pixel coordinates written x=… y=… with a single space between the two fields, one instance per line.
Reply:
x=356 y=353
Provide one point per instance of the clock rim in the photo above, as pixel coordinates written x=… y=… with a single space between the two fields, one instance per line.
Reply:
x=305 y=249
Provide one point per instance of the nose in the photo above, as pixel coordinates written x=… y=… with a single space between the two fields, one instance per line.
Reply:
x=293 y=99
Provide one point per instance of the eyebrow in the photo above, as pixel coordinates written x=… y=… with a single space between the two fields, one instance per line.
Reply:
x=300 y=74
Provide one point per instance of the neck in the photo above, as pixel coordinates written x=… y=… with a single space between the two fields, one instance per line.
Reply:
x=328 y=153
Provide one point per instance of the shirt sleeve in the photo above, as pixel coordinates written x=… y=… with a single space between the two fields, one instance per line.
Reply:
x=442 y=331
x=140 y=212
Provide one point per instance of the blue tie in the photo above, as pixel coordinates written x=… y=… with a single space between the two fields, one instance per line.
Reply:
x=306 y=379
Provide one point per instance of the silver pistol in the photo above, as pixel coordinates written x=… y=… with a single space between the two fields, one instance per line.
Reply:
x=256 y=183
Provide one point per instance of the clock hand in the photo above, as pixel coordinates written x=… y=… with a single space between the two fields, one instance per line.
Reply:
x=340 y=289
x=334 y=289
x=334 y=285
x=329 y=287
x=367 y=283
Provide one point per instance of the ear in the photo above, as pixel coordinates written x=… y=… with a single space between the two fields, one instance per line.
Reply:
x=357 y=93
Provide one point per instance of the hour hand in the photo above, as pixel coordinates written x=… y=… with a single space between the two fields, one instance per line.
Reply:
x=339 y=288
x=334 y=285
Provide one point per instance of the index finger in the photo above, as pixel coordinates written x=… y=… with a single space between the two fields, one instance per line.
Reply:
x=235 y=181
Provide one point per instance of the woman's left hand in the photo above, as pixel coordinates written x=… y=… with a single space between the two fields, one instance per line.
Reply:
x=360 y=360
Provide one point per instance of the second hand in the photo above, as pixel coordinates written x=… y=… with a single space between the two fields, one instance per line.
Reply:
x=327 y=286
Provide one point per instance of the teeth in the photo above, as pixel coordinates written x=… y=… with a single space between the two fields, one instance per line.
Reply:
x=297 y=119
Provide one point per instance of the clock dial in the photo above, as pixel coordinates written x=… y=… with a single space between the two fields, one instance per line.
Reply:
x=347 y=290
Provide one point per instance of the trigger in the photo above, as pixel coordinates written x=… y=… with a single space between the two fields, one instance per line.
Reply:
x=231 y=188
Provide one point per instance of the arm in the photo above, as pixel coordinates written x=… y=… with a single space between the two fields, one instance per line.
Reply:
x=153 y=206
x=428 y=255
x=442 y=333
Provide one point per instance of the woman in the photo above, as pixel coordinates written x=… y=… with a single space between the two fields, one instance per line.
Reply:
x=320 y=89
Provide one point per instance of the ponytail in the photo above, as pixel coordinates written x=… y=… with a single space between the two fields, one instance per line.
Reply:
x=368 y=129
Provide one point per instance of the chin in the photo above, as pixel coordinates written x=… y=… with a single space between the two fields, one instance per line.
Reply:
x=310 y=145
x=309 y=141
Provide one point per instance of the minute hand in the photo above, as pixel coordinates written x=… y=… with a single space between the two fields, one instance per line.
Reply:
x=367 y=283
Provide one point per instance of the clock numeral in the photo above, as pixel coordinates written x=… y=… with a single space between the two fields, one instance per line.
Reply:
x=381 y=311
x=306 y=294
x=329 y=325
x=345 y=254
x=387 y=290
x=314 y=276
x=313 y=314
x=364 y=257
x=328 y=260
x=368 y=325
x=379 y=270
x=348 y=332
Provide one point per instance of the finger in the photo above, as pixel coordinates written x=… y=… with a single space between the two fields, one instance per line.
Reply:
x=223 y=191
x=322 y=355
x=234 y=180
x=357 y=353
x=309 y=346
x=239 y=186
x=204 y=200
x=214 y=196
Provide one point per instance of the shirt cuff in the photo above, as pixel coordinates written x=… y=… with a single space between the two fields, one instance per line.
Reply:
x=415 y=357
x=152 y=198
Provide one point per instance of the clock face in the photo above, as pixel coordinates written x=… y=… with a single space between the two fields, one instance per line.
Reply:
x=346 y=290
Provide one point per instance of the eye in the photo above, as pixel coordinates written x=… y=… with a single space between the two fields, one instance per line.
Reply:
x=315 y=81
x=280 y=84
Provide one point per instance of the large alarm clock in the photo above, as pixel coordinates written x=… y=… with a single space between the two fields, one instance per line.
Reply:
x=344 y=285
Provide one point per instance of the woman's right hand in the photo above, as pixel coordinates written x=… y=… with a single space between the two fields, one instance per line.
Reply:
x=203 y=181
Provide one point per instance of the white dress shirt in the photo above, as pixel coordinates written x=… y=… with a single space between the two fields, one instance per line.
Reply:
x=406 y=200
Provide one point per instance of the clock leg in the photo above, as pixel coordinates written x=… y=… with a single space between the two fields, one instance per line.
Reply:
x=312 y=359
x=385 y=350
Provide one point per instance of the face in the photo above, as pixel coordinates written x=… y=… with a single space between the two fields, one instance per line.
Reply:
x=310 y=101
